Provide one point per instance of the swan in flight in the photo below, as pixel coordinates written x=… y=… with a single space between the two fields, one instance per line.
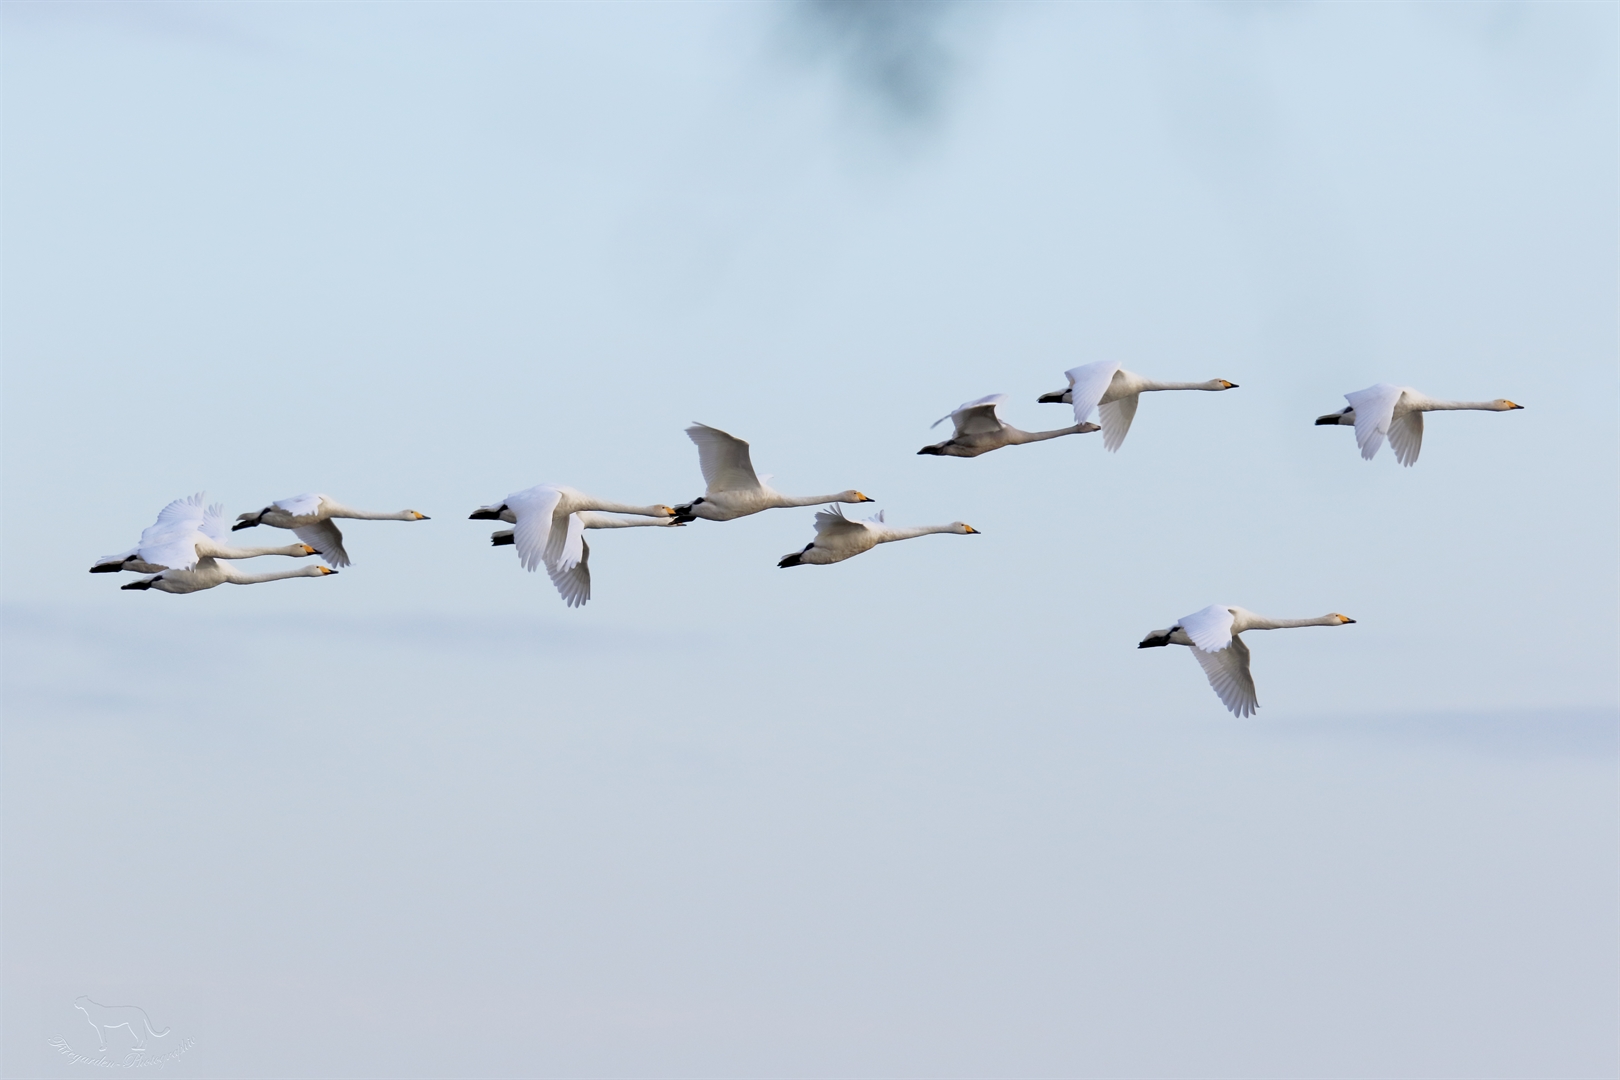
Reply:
x=980 y=429
x=1213 y=636
x=839 y=538
x=574 y=583
x=310 y=519
x=1114 y=393
x=186 y=531
x=211 y=572
x=1397 y=411
x=541 y=516
x=734 y=490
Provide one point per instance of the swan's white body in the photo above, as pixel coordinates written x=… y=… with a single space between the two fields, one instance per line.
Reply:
x=839 y=538
x=541 y=515
x=1115 y=393
x=1396 y=412
x=1212 y=634
x=733 y=489
x=186 y=531
x=574 y=582
x=210 y=572
x=980 y=429
x=310 y=518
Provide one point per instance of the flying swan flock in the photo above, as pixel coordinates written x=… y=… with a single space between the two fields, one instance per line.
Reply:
x=186 y=549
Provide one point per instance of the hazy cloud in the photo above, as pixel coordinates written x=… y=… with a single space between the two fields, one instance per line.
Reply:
x=895 y=55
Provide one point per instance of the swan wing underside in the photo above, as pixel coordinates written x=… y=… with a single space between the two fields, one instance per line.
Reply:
x=980 y=417
x=1375 y=409
x=1228 y=675
x=187 y=511
x=1087 y=385
x=215 y=525
x=724 y=459
x=832 y=522
x=573 y=582
x=300 y=505
x=171 y=541
x=533 y=511
x=1406 y=437
x=1210 y=629
x=572 y=552
x=1116 y=417
x=326 y=538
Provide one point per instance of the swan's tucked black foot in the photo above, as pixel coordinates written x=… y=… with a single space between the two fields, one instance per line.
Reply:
x=787 y=560
x=1055 y=398
x=502 y=539
x=137 y=585
x=682 y=518
x=107 y=568
x=485 y=515
x=934 y=450
x=1331 y=418
x=248 y=524
x=1154 y=641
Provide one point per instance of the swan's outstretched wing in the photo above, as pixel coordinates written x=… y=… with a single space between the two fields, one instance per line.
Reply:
x=724 y=460
x=300 y=505
x=187 y=511
x=1228 y=675
x=1210 y=629
x=573 y=545
x=832 y=520
x=327 y=539
x=1406 y=437
x=573 y=582
x=1087 y=385
x=171 y=540
x=1375 y=407
x=978 y=417
x=531 y=533
x=1116 y=417
x=215 y=525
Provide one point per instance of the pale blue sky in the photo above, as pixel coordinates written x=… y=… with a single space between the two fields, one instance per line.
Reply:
x=925 y=813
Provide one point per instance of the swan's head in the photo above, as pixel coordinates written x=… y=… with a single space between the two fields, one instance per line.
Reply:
x=1503 y=404
x=1221 y=384
x=417 y=515
x=308 y=550
x=667 y=511
x=854 y=497
x=964 y=528
x=323 y=571
x=1342 y=618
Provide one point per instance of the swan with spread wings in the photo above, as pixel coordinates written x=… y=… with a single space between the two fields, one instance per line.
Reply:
x=981 y=429
x=1396 y=412
x=733 y=489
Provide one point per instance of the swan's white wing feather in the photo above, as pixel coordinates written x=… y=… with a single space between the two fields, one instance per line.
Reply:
x=1228 y=675
x=326 y=538
x=174 y=546
x=531 y=532
x=982 y=417
x=573 y=548
x=724 y=459
x=1210 y=629
x=1087 y=385
x=300 y=505
x=1116 y=417
x=832 y=520
x=1375 y=407
x=182 y=511
x=215 y=525
x=994 y=400
x=573 y=582
x=1406 y=437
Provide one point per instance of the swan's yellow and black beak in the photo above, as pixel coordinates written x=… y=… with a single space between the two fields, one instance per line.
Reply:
x=1227 y=385
x=1343 y=619
x=966 y=529
x=1514 y=405
x=862 y=498
x=309 y=550
x=326 y=570
x=420 y=517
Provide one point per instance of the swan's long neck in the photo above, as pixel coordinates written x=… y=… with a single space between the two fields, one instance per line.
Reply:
x=639 y=511
x=1431 y=405
x=236 y=577
x=372 y=515
x=1260 y=622
x=220 y=551
x=1017 y=436
x=1154 y=384
x=602 y=521
x=915 y=530
x=808 y=500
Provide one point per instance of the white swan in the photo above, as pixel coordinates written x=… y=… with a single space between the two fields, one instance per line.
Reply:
x=1397 y=411
x=1213 y=636
x=733 y=489
x=541 y=515
x=186 y=531
x=980 y=429
x=839 y=538
x=1115 y=393
x=210 y=572
x=574 y=583
x=310 y=518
